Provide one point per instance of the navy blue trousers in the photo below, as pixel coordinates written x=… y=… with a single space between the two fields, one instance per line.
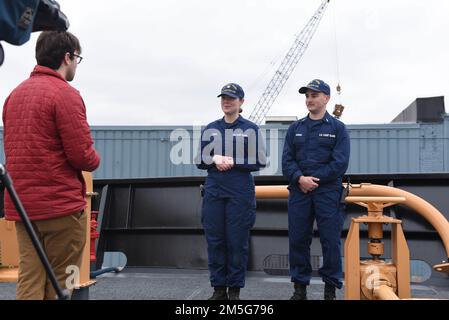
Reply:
x=303 y=209
x=227 y=222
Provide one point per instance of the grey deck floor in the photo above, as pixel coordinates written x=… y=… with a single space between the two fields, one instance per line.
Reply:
x=181 y=284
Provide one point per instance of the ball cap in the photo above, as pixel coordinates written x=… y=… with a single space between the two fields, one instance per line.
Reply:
x=232 y=90
x=318 y=86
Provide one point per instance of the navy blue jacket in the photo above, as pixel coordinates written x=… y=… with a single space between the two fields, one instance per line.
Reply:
x=240 y=140
x=16 y=20
x=319 y=149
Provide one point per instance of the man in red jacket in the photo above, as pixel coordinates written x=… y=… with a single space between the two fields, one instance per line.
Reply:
x=48 y=144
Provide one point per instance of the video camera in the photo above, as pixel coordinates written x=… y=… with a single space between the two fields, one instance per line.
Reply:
x=19 y=18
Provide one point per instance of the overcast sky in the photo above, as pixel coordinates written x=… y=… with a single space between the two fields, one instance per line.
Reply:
x=164 y=62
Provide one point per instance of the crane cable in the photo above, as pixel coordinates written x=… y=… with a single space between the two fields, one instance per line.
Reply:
x=337 y=56
x=338 y=110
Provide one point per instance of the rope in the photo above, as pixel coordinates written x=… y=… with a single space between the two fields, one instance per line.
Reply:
x=337 y=59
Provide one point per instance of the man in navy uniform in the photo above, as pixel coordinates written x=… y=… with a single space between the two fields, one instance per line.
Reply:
x=314 y=160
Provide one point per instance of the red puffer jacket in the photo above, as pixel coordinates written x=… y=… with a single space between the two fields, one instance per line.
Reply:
x=47 y=144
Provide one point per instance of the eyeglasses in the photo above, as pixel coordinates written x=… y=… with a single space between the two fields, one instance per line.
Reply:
x=78 y=58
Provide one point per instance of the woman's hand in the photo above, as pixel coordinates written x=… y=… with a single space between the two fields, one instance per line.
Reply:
x=223 y=163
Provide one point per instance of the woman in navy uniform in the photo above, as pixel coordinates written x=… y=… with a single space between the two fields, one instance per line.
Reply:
x=231 y=149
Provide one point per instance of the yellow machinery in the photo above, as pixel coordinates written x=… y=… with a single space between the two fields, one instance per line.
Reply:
x=85 y=280
x=9 y=251
x=375 y=278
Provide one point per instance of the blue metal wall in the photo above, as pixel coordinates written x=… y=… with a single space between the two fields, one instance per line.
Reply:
x=141 y=152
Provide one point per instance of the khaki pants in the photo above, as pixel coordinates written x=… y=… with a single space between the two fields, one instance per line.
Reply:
x=63 y=241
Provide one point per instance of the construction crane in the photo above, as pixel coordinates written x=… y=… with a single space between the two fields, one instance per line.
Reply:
x=288 y=64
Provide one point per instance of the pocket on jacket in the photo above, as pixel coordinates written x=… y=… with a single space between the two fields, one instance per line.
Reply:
x=326 y=142
x=299 y=141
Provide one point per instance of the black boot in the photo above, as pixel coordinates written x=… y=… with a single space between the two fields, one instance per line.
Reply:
x=329 y=292
x=219 y=294
x=234 y=293
x=300 y=292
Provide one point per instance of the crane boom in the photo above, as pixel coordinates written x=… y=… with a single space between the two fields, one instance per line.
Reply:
x=287 y=66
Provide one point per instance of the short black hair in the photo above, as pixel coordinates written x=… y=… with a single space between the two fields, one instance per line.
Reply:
x=52 y=46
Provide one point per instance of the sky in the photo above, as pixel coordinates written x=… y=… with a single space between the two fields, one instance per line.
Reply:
x=164 y=62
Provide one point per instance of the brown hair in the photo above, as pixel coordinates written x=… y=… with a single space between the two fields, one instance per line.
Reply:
x=52 y=46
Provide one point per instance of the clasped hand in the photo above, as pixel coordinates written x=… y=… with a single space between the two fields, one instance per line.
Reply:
x=308 y=184
x=223 y=163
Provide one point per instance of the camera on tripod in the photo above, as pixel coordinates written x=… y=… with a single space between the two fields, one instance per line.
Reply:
x=19 y=18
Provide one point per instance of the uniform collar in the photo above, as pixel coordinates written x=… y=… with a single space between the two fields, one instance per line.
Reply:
x=41 y=70
x=326 y=119
x=238 y=120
